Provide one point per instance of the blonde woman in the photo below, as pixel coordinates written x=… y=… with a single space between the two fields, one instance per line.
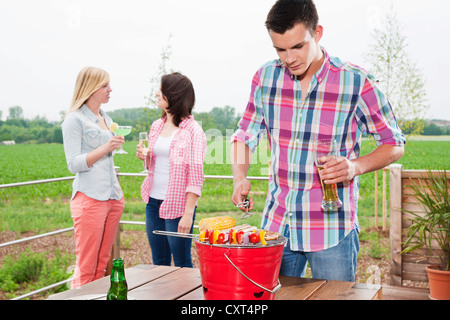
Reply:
x=97 y=199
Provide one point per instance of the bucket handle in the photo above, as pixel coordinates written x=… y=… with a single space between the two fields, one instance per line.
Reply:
x=277 y=287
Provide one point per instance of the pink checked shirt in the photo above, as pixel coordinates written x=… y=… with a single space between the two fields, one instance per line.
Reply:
x=186 y=156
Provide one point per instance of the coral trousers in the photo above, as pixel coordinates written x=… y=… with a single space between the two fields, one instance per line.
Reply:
x=95 y=226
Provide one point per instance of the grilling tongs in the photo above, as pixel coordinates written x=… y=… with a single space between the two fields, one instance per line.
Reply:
x=245 y=204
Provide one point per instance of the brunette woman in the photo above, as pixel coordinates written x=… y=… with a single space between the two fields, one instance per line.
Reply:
x=177 y=146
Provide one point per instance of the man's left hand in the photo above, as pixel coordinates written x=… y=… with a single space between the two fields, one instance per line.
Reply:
x=339 y=169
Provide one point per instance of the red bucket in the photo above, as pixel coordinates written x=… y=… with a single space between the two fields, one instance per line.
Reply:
x=240 y=272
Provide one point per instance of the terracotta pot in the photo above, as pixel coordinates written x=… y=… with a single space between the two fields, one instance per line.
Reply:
x=439 y=283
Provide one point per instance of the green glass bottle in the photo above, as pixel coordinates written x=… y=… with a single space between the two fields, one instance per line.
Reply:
x=119 y=287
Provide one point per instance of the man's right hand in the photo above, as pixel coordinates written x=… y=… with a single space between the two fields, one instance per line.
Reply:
x=242 y=188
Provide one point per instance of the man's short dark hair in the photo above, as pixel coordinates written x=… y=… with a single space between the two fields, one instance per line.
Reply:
x=285 y=14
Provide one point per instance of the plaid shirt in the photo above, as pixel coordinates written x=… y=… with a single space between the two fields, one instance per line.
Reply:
x=343 y=103
x=186 y=156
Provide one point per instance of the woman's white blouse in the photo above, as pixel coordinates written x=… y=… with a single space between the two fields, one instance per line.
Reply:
x=161 y=152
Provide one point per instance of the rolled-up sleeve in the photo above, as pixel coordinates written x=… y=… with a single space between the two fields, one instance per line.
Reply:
x=375 y=112
x=196 y=176
x=72 y=136
x=252 y=125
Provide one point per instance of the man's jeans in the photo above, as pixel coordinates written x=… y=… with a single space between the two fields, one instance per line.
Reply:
x=336 y=263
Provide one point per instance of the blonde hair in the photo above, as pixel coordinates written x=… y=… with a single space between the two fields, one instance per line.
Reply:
x=89 y=80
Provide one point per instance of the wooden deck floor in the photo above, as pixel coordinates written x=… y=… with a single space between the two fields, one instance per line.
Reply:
x=404 y=293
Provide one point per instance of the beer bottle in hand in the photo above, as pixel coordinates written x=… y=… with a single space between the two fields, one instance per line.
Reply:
x=119 y=287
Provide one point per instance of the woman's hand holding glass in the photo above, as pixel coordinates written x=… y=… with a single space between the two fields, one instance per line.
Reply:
x=142 y=149
x=114 y=143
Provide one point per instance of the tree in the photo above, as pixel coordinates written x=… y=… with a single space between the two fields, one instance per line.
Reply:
x=400 y=78
x=432 y=130
x=15 y=112
x=151 y=113
x=57 y=135
x=155 y=81
x=206 y=120
x=225 y=118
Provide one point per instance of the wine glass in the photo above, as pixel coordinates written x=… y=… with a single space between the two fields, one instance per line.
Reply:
x=123 y=131
x=324 y=151
x=143 y=138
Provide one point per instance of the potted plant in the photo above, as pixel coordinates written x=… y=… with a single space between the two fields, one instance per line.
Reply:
x=434 y=225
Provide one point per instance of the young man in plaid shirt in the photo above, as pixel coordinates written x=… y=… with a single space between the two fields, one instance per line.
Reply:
x=303 y=96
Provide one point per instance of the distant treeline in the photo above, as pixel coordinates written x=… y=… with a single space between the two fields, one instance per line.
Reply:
x=433 y=130
x=40 y=130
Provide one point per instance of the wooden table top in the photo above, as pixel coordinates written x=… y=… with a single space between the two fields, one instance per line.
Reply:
x=151 y=282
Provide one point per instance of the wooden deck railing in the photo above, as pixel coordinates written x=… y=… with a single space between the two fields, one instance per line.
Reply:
x=409 y=266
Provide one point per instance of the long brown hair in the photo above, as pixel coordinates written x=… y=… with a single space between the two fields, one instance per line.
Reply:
x=180 y=95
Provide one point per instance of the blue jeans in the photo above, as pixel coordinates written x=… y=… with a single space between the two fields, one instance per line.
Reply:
x=164 y=247
x=336 y=263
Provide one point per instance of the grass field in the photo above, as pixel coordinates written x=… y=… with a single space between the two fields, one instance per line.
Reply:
x=44 y=207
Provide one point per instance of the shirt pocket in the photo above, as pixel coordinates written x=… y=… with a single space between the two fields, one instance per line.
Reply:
x=338 y=122
x=180 y=151
x=93 y=138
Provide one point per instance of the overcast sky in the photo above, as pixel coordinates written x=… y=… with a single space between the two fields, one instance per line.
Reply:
x=218 y=44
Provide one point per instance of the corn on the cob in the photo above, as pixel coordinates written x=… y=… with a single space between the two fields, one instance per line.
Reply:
x=216 y=223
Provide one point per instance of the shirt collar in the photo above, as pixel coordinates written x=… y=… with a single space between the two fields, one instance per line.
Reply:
x=186 y=121
x=320 y=75
x=88 y=113
x=183 y=124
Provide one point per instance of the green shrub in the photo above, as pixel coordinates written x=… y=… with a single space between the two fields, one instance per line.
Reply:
x=24 y=269
x=30 y=271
